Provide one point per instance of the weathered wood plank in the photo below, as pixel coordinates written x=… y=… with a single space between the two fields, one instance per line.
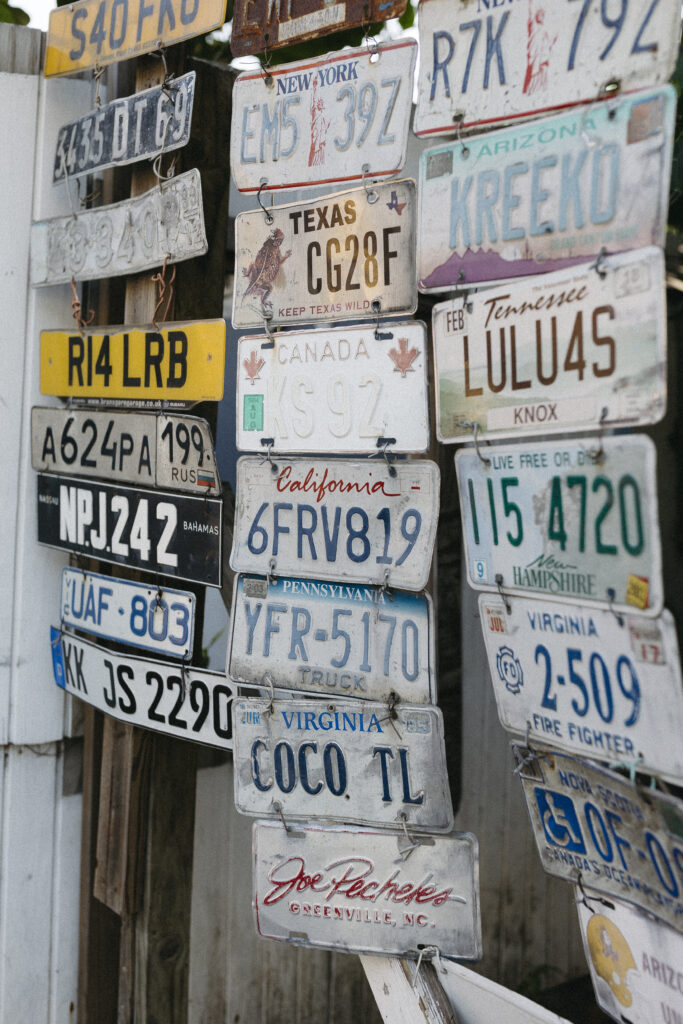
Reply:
x=21 y=49
x=406 y=998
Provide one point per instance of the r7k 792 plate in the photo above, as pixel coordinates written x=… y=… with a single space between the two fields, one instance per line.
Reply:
x=350 y=761
x=334 y=390
x=575 y=520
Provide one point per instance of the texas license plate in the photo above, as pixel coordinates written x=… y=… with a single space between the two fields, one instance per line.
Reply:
x=576 y=520
x=347 y=520
x=347 y=889
x=341 y=257
x=349 y=761
x=565 y=351
x=333 y=638
x=334 y=389
x=539 y=197
x=153 y=531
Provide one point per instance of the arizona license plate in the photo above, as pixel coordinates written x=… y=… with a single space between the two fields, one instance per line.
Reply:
x=324 y=121
x=347 y=889
x=537 y=198
x=530 y=59
x=350 y=761
x=565 y=519
x=165 y=223
x=334 y=389
x=624 y=841
x=347 y=520
x=341 y=257
x=565 y=351
x=333 y=638
x=153 y=531
x=179 y=700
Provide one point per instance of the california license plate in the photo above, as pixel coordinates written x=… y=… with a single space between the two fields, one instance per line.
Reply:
x=337 y=639
x=334 y=389
x=540 y=197
x=575 y=520
x=565 y=351
x=347 y=520
x=349 y=761
x=341 y=257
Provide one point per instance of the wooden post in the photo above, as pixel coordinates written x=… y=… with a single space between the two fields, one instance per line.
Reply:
x=404 y=998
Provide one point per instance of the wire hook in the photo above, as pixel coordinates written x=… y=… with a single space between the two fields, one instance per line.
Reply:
x=611 y=595
x=98 y=71
x=383 y=443
x=268 y=442
x=499 y=583
x=162 y=284
x=81 y=324
x=376 y=306
x=405 y=851
x=268 y=214
x=458 y=120
x=371 y=194
x=598 y=265
x=474 y=426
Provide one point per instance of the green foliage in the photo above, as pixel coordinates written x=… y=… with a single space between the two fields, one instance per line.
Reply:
x=13 y=15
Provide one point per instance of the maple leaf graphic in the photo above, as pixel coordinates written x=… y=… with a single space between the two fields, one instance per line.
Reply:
x=403 y=358
x=253 y=365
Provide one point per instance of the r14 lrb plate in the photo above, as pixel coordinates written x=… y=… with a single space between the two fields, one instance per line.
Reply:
x=334 y=390
x=347 y=889
x=575 y=520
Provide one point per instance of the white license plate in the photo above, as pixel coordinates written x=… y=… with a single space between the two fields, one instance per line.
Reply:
x=582 y=682
x=484 y=68
x=165 y=223
x=323 y=121
x=157 y=618
x=334 y=389
x=346 y=256
x=348 y=889
x=337 y=639
x=536 y=198
x=347 y=520
x=178 y=700
x=349 y=761
x=552 y=354
x=565 y=520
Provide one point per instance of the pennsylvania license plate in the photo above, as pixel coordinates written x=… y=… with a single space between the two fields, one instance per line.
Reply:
x=350 y=761
x=539 y=197
x=334 y=389
x=341 y=257
x=323 y=121
x=347 y=889
x=178 y=700
x=555 y=353
x=582 y=682
x=166 y=223
x=333 y=638
x=344 y=520
x=485 y=68
x=565 y=520
x=153 y=531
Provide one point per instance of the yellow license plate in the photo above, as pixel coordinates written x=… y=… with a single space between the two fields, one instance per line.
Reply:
x=93 y=32
x=181 y=362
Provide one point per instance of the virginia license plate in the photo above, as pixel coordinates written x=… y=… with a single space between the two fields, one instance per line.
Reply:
x=536 y=198
x=178 y=700
x=336 y=639
x=334 y=389
x=154 y=531
x=340 y=257
x=347 y=889
x=485 y=68
x=555 y=353
x=165 y=223
x=344 y=520
x=566 y=520
x=350 y=761
x=158 y=619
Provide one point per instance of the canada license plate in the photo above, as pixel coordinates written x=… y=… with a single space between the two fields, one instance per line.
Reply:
x=323 y=121
x=565 y=351
x=334 y=389
x=523 y=60
x=347 y=889
x=154 y=531
x=624 y=841
x=341 y=257
x=178 y=700
x=540 y=197
x=344 y=520
x=566 y=520
x=165 y=223
x=333 y=638
x=350 y=761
